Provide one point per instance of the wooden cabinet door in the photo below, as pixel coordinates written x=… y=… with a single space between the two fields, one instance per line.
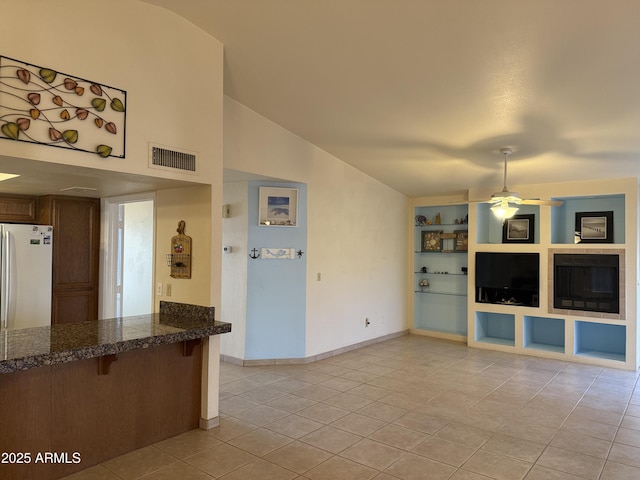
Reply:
x=76 y=247
x=18 y=208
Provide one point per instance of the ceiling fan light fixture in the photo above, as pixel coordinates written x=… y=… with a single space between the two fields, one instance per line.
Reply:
x=502 y=210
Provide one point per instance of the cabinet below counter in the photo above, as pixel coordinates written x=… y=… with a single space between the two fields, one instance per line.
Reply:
x=92 y=391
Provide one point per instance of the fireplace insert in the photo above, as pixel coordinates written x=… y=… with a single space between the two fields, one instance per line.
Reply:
x=586 y=282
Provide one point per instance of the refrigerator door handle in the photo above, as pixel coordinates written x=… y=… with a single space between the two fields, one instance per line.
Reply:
x=4 y=280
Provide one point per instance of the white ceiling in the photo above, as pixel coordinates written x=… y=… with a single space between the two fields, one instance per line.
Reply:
x=43 y=178
x=422 y=94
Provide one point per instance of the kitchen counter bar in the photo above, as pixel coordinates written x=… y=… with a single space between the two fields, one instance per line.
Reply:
x=57 y=344
x=100 y=389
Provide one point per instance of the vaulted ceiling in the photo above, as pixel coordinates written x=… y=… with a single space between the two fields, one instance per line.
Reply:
x=422 y=94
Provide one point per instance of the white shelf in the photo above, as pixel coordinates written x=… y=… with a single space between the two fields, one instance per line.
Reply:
x=602 y=355
x=545 y=348
x=497 y=341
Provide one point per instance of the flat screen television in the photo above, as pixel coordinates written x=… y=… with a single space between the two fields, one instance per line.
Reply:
x=508 y=278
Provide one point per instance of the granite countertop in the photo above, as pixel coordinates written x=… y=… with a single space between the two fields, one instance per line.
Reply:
x=40 y=346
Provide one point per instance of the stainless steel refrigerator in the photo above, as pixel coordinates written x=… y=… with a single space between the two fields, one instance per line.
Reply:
x=25 y=275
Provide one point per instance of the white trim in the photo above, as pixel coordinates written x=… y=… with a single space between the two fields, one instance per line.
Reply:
x=108 y=244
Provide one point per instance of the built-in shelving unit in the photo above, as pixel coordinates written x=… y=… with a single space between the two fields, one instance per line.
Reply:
x=582 y=336
x=443 y=297
x=440 y=245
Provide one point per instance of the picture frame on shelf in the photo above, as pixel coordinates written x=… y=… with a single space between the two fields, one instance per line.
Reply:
x=278 y=207
x=461 y=242
x=519 y=229
x=594 y=227
x=431 y=241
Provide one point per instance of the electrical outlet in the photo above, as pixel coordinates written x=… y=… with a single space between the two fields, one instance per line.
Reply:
x=366 y=322
x=159 y=289
x=318 y=277
x=168 y=292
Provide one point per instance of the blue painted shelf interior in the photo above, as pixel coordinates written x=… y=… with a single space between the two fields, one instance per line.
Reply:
x=489 y=228
x=563 y=218
x=442 y=306
x=495 y=328
x=600 y=340
x=441 y=313
x=541 y=333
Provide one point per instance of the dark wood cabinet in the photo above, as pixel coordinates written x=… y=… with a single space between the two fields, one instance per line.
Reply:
x=76 y=249
x=18 y=208
x=150 y=394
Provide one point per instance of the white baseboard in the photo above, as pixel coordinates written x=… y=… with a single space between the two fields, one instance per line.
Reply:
x=311 y=359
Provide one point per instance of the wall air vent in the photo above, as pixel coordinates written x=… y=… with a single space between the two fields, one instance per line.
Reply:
x=168 y=158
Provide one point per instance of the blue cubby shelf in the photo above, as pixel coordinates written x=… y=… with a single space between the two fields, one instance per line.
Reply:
x=600 y=340
x=489 y=228
x=563 y=217
x=542 y=333
x=495 y=328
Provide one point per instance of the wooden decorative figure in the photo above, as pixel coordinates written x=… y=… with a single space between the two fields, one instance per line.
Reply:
x=181 y=253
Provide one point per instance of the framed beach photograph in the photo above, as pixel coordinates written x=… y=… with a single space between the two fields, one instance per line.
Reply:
x=278 y=207
x=519 y=229
x=594 y=227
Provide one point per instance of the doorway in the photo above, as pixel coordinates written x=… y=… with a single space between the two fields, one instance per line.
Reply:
x=129 y=231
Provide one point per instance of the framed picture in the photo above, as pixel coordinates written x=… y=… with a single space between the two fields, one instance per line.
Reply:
x=519 y=229
x=278 y=207
x=461 y=242
x=594 y=227
x=431 y=241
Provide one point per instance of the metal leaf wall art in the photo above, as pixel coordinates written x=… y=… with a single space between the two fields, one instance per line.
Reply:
x=47 y=107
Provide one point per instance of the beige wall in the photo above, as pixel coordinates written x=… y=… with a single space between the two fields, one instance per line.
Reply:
x=172 y=73
x=193 y=205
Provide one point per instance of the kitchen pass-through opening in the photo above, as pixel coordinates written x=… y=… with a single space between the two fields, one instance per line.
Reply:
x=129 y=248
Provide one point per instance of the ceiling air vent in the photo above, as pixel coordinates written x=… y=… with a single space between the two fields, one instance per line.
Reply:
x=172 y=159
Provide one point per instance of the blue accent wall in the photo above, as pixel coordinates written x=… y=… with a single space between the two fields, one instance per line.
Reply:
x=276 y=289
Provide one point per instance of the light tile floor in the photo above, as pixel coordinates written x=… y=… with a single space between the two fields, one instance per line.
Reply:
x=408 y=408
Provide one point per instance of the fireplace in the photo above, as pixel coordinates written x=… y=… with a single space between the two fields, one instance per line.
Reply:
x=588 y=282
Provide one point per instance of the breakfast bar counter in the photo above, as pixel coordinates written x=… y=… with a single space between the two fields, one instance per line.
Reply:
x=56 y=344
x=76 y=395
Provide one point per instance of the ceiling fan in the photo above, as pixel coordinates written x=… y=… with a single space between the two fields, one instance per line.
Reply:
x=505 y=203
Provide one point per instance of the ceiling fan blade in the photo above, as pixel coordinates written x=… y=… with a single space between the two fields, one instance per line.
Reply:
x=552 y=203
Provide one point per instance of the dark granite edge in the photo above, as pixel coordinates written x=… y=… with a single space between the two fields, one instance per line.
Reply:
x=94 y=351
x=187 y=310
